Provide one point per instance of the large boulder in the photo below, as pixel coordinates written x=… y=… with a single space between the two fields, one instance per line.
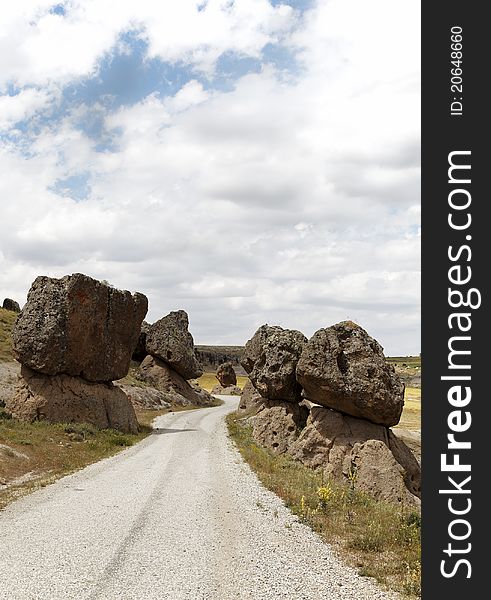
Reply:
x=270 y=359
x=177 y=390
x=355 y=450
x=12 y=305
x=278 y=424
x=67 y=399
x=169 y=340
x=343 y=368
x=78 y=326
x=226 y=374
x=251 y=400
x=145 y=398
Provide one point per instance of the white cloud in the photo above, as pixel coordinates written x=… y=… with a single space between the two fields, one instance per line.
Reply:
x=291 y=201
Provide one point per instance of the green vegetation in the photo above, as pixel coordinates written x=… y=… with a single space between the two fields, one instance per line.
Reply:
x=405 y=361
x=382 y=540
x=7 y=320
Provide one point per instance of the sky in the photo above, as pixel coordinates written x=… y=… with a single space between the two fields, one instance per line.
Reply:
x=248 y=161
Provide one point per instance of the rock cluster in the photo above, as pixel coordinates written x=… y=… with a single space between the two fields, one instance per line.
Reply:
x=329 y=402
x=12 y=305
x=74 y=336
x=170 y=361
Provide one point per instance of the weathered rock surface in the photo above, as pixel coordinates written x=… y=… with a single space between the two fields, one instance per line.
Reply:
x=382 y=465
x=78 y=326
x=270 y=358
x=277 y=425
x=67 y=399
x=229 y=390
x=146 y=398
x=169 y=340
x=140 y=351
x=226 y=374
x=177 y=390
x=343 y=368
x=9 y=304
x=251 y=400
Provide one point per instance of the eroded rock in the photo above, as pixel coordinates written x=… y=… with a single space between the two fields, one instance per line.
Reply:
x=278 y=424
x=343 y=368
x=67 y=399
x=12 y=305
x=78 y=326
x=169 y=340
x=270 y=359
x=226 y=374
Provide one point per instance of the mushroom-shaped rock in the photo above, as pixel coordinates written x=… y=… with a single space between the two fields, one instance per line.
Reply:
x=343 y=368
x=169 y=340
x=270 y=358
x=12 y=305
x=78 y=326
x=226 y=374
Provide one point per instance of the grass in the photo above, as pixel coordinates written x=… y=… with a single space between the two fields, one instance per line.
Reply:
x=411 y=414
x=7 y=320
x=381 y=539
x=405 y=361
x=208 y=381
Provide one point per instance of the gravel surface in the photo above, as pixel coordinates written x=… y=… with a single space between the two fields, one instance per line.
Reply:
x=179 y=516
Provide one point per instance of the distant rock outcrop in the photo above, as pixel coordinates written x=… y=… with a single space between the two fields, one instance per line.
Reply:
x=78 y=326
x=270 y=358
x=67 y=399
x=343 y=368
x=73 y=337
x=226 y=374
x=177 y=390
x=169 y=340
x=12 y=305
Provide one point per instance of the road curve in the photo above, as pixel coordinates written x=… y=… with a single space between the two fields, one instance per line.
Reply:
x=177 y=517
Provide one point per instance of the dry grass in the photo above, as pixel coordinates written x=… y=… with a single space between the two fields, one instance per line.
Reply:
x=411 y=414
x=380 y=539
x=208 y=381
x=7 y=320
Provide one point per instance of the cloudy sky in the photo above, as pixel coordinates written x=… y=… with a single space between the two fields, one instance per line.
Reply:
x=250 y=161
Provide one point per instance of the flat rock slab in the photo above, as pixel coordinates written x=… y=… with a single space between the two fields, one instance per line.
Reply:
x=78 y=326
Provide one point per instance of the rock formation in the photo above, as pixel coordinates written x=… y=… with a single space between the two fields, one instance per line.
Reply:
x=169 y=340
x=78 y=326
x=270 y=359
x=176 y=389
x=9 y=304
x=66 y=399
x=343 y=368
x=146 y=398
x=351 y=396
x=73 y=337
x=226 y=374
x=229 y=390
x=140 y=350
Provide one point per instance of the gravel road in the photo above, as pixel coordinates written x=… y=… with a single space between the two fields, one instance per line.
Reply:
x=179 y=516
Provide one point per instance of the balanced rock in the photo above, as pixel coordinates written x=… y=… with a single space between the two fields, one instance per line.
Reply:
x=270 y=359
x=277 y=425
x=67 y=399
x=12 y=305
x=169 y=340
x=356 y=450
x=78 y=326
x=226 y=374
x=251 y=400
x=343 y=368
x=177 y=390
x=229 y=390
x=147 y=398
